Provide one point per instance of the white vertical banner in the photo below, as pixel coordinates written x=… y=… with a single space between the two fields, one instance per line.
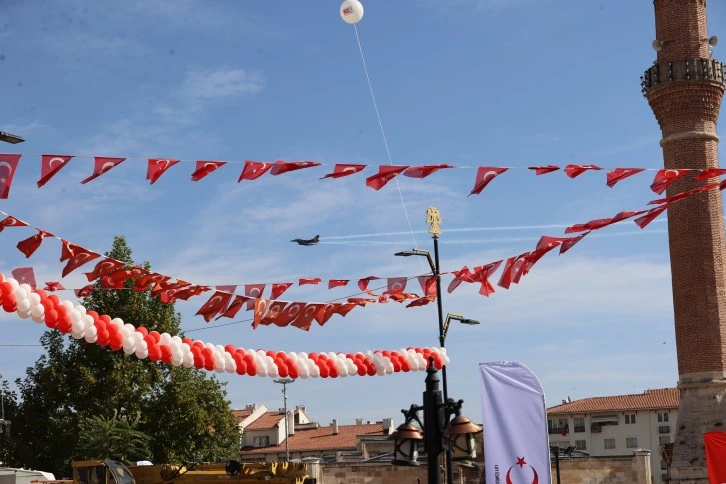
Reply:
x=516 y=443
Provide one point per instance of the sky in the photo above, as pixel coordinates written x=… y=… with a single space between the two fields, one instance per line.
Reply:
x=465 y=82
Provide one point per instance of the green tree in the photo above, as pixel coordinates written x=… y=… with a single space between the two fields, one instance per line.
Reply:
x=113 y=438
x=185 y=414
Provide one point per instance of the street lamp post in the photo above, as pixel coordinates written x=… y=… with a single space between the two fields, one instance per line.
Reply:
x=284 y=382
x=10 y=138
x=433 y=218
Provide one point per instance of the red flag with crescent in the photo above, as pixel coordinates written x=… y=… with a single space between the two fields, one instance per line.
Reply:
x=484 y=175
x=287 y=315
x=337 y=283
x=214 y=305
x=422 y=301
x=307 y=316
x=85 y=291
x=663 y=179
x=11 y=221
x=119 y=276
x=685 y=194
x=482 y=274
x=280 y=167
x=573 y=171
x=340 y=170
x=104 y=268
x=395 y=285
x=651 y=215
x=428 y=285
x=274 y=310
x=591 y=225
x=24 y=275
x=618 y=174
x=567 y=244
x=235 y=307
x=253 y=170
x=79 y=256
x=8 y=165
x=145 y=282
x=362 y=301
x=31 y=244
x=309 y=280
x=156 y=167
x=260 y=306
x=512 y=271
x=385 y=174
x=279 y=288
x=50 y=165
x=710 y=173
x=424 y=170
x=188 y=291
x=253 y=291
x=101 y=166
x=53 y=286
x=462 y=275
x=542 y=170
x=363 y=283
x=204 y=168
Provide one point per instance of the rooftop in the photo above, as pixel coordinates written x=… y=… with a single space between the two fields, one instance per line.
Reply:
x=648 y=400
x=240 y=415
x=322 y=438
x=267 y=420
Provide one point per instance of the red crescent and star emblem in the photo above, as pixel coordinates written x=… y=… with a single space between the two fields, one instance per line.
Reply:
x=521 y=463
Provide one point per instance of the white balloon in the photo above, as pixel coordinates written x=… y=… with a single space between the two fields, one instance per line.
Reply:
x=77 y=334
x=128 y=329
x=352 y=369
x=176 y=340
x=87 y=321
x=13 y=283
x=77 y=327
x=26 y=288
x=129 y=350
x=315 y=371
x=24 y=314
x=23 y=305
x=380 y=371
x=37 y=311
x=34 y=298
x=76 y=316
x=91 y=334
x=351 y=11
x=261 y=370
x=119 y=323
x=142 y=354
x=68 y=305
x=177 y=361
x=81 y=309
x=165 y=339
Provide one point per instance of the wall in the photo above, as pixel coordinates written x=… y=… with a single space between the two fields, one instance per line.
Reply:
x=633 y=469
x=386 y=473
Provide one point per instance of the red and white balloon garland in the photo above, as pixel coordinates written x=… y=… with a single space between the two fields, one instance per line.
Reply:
x=117 y=335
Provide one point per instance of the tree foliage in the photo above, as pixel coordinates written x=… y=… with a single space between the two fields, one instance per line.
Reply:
x=74 y=384
x=114 y=438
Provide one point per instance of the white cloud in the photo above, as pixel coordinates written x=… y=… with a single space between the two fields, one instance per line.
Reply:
x=220 y=83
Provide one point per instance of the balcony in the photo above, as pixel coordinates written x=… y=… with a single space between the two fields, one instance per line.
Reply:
x=559 y=430
x=664 y=429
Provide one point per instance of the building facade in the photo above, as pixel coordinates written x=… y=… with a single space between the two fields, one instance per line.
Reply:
x=618 y=425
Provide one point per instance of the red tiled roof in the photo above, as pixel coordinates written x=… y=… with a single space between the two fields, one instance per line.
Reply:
x=267 y=420
x=648 y=400
x=240 y=415
x=322 y=438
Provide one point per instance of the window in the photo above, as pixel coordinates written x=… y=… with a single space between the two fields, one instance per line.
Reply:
x=579 y=424
x=581 y=445
x=663 y=465
x=558 y=426
x=262 y=441
x=561 y=445
x=664 y=429
x=662 y=417
x=631 y=442
x=664 y=439
x=630 y=418
x=609 y=443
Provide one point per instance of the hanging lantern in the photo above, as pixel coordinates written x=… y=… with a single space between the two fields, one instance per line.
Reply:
x=351 y=11
x=460 y=437
x=406 y=445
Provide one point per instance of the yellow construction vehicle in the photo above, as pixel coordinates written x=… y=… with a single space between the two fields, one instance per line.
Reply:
x=114 y=472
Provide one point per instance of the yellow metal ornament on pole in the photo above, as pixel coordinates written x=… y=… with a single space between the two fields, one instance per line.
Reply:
x=433 y=218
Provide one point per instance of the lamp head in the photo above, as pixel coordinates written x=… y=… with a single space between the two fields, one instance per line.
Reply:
x=284 y=380
x=657 y=45
x=460 y=435
x=712 y=41
x=10 y=138
x=407 y=438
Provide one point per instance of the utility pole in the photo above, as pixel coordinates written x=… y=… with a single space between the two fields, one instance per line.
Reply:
x=284 y=382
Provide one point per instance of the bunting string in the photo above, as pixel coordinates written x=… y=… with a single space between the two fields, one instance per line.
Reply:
x=252 y=170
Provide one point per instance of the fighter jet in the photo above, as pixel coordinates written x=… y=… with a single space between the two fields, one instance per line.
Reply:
x=313 y=241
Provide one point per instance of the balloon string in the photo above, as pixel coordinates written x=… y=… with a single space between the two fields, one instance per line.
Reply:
x=383 y=134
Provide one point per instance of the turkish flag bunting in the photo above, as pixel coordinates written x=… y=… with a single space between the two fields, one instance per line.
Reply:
x=618 y=174
x=189 y=291
x=144 y=283
x=551 y=242
x=118 y=277
x=395 y=285
x=520 y=267
x=424 y=170
x=715 y=443
x=235 y=307
x=422 y=301
x=85 y=291
x=462 y=275
x=274 y=310
x=279 y=288
x=24 y=275
x=307 y=316
x=11 y=221
x=652 y=214
x=31 y=244
x=710 y=173
x=363 y=283
x=567 y=244
x=482 y=274
x=385 y=174
x=428 y=285
x=79 y=257
x=573 y=171
x=685 y=194
x=8 y=165
x=156 y=167
x=164 y=284
x=512 y=271
x=403 y=296
x=343 y=308
x=260 y=306
x=214 y=305
x=310 y=280
x=591 y=225
x=53 y=286
x=204 y=168
x=281 y=167
x=625 y=215
x=337 y=283
x=362 y=301
x=104 y=268
x=484 y=175
x=665 y=177
x=541 y=170
x=253 y=291
x=50 y=165
x=66 y=250
x=327 y=311
x=101 y=166
x=253 y=170
x=342 y=170
x=108 y=283
x=291 y=312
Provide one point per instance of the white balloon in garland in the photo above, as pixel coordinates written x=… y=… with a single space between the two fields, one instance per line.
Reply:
x=351 y=11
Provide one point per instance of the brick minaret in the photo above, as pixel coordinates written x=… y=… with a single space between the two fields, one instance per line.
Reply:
x=684 y=87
